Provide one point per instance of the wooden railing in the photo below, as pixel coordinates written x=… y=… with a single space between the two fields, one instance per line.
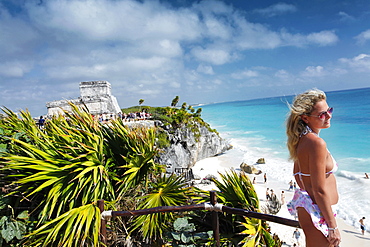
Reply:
x=213 y=206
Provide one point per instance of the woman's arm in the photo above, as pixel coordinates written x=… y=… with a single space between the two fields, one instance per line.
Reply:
x=318 y=154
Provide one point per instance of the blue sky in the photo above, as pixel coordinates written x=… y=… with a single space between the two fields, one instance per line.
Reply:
x=203 y=51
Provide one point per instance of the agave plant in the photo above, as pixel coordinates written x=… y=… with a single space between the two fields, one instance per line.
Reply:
x=68 y=166
x=165 y=191
x=257 y=234
x=236 y=190
x=135 y=150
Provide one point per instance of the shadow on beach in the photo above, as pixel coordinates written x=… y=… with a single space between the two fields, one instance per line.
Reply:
x=352 y=232
x=357 y=234
x=363 y=237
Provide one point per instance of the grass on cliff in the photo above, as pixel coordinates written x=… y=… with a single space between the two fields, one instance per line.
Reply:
x=175 y=117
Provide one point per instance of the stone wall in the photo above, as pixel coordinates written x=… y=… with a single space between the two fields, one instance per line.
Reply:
x=96 y=95
x=93 y=88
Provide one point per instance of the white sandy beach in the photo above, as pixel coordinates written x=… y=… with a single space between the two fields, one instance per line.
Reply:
x=351 y=236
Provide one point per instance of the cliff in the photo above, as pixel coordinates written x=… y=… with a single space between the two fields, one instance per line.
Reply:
x=189 y=146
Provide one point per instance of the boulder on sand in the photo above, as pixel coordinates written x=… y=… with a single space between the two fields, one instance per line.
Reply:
x=250 y=169
x=261 y=161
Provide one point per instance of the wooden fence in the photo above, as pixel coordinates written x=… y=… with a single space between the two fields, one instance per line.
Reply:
x=213 y=206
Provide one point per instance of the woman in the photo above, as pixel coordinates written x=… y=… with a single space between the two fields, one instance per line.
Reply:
x=282 y=197
x=313 y=170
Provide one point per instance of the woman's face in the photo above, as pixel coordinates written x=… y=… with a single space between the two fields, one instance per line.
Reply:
x=320 y=117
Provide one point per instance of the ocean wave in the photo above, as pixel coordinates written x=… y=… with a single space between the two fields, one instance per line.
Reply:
x=356 y=160
x=353 y=176
x=251 y=132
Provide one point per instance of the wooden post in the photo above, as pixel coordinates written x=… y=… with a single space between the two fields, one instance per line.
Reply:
x=103 y=228
x=215 y=221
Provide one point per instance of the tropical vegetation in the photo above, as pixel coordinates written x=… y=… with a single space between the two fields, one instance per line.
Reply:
x=53 y=177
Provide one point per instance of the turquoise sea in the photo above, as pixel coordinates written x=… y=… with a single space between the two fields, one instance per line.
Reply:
x=256 y=128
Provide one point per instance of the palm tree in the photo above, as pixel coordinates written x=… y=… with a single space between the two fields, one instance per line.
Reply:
x=175 y=101
x=191 y=109
x=141 y=101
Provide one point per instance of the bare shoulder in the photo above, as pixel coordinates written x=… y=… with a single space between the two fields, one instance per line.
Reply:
x=315 y=142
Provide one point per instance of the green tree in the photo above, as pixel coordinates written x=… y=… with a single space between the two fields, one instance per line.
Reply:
x=191 y=109
x=183 y=106
x=198 y=112
x=141 y=101
x=175 y=101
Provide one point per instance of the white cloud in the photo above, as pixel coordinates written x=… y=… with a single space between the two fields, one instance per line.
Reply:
x=363 y=37
x=339 y=71
x=320 y=71
x=323 y=38
x=126 y=20
x=245 y=74
x=277 y=9
x=314 y=71
x=217 y=28
x=252 y=36
x=205 y=69
x=14 y=68
x=256 y=36
x=360 y=63
x=215 y=56
x=18 y=38
x=345 y=17
x=217 y=81
x=175 y=84
x=283 y=74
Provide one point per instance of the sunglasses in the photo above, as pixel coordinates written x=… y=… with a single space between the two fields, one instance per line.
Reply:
x=322 y=115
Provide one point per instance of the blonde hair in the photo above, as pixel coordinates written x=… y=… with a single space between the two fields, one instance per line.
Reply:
x=302 y=104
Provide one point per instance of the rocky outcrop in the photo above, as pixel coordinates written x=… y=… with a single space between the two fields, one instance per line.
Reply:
x=189 y=146
x=250 y=169
x=261 y=161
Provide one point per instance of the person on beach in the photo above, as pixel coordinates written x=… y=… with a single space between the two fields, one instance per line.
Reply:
x=282 y=197
x=272 y=195
x=296 y=235
x=291 y=185
x=265 y=177
x=41 y=122
x=363 y=228
x=268 y=194
x=313 y=170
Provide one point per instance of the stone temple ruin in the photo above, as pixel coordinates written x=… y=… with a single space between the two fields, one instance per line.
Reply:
x=96 y=95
